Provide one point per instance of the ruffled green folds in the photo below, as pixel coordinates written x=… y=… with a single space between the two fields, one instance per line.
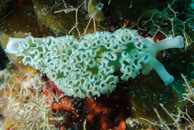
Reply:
x=87 y=67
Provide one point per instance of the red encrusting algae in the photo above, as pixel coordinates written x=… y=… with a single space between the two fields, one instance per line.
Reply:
x=100 y=113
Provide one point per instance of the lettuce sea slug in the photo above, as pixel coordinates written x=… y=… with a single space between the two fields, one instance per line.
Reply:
x=88 y=67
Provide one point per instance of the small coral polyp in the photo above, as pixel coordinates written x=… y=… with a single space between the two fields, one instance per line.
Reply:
x=87 y=67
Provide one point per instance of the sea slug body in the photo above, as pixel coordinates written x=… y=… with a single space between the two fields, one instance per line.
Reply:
x=87 y=67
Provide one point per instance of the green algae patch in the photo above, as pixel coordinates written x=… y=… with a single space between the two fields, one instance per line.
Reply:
x=147 y=96
x=20 y=23
x=62 y=18
x=95 y=10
